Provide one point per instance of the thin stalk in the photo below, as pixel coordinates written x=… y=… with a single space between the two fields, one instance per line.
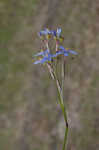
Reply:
x=65 y=138
x=61 y=102
x=65 y=118
x=60 y=93
x=63 y=76
x=63 y=79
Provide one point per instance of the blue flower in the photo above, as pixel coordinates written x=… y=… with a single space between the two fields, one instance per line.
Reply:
x=57 y=33
x=47 y=56
x=59 y=30
x=64 y=51
x=67 y=51
x=44 y=32
x=43 y=53
x=60 y=53
x=43 y=60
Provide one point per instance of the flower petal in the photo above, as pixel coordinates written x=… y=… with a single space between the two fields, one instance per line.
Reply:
x=40 y=61
x=44 y=59
x=61 y=47
x=39 y=54
x=37 y=62
x=59 y=30
x=44 y=32
x=66 y=54
x=68 y=51
x=42 y=53
x=53 y=32
x=72 y=52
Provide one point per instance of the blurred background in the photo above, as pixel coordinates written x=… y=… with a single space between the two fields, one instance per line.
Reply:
x=30 y=118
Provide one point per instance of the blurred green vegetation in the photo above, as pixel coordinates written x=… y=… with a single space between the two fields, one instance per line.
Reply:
x=11 y=14
x=12 y=65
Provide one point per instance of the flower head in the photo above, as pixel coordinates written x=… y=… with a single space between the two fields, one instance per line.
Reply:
x=65 y=52
x=57 y=35
x=47 y=56
x=44 y=32
x=57 y=32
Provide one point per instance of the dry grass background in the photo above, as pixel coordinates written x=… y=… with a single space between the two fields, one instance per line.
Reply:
x=29 y=116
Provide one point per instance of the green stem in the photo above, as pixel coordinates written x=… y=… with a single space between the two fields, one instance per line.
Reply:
x=65 y=118
x=61 y=102
x=63 y=76
x=65 y=138
x=63 y=110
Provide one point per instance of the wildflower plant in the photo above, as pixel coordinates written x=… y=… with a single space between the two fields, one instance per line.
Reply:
x=52 y=58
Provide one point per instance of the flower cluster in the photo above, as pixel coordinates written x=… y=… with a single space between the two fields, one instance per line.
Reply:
x=46 y=55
